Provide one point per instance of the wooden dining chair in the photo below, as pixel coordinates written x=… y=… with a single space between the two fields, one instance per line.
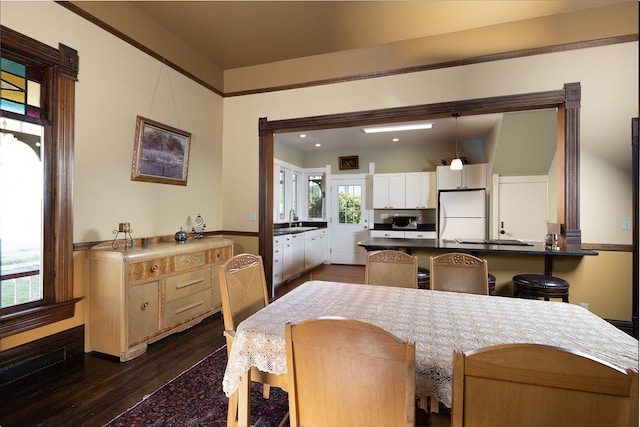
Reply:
x=459 y=272
x=391 y=268
x=533 y=385
x=243 y=288
x=348 y=373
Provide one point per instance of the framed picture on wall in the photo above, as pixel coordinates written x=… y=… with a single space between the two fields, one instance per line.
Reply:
x=348 y=162
x=160 y=154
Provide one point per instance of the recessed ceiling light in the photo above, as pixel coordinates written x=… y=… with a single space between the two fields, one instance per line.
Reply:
x=397 y=128
x=318 y=144
x=303 y=135
x=396 y=139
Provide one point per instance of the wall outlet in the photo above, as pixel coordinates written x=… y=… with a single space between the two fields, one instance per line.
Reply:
x=584 y=305
x=252 y=216
x=626 y=223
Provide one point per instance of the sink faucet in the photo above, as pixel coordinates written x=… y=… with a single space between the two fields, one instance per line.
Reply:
x=292 y=217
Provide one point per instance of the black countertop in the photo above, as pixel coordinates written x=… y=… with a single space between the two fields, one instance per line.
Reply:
x=536 y=248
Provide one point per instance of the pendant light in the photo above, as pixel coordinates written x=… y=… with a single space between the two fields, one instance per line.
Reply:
x=456 y=164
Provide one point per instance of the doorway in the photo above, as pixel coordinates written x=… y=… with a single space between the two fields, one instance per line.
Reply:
x=520 y=207
x=349 y=219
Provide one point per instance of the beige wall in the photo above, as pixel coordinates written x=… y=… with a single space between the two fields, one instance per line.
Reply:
x=116 y=83
x=608 y=104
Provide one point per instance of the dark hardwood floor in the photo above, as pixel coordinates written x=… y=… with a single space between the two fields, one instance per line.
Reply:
x=93 y=389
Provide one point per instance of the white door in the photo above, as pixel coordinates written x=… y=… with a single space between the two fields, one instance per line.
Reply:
x=349 y=219
x=520 y=205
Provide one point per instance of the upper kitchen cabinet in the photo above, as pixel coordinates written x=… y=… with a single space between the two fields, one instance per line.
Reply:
x=389 y=191
x=420 y=190
x=471 y=176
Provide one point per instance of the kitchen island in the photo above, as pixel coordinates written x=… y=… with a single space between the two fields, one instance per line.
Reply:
x=476 y=248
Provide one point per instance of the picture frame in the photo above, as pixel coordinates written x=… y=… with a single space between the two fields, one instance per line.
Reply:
x=348 y=162
x=160 y=154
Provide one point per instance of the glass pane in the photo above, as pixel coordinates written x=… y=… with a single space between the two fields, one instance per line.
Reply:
x=315 y=196
x=281 y=191
x=33 y=93
x=21 y=198
x=20 y=86
x=13 y=67
x=294 y=193
x=349 y=204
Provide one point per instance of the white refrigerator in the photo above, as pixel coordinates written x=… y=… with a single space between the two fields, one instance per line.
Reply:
x=462 y=214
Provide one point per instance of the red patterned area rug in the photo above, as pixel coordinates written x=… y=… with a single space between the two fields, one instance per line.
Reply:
x=195 y=398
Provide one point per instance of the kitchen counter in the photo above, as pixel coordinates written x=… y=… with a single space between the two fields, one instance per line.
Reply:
x=309 y=226
x=535 y=248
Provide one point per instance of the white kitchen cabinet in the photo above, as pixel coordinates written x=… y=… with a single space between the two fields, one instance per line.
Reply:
x=292 y=255
x=471 y=176
x=419 y=234
x=278 y=249
x=315 y=248
x=420 y=190
x=399 y=234
x=387 y=233
x=136 y=296
x=389 y=191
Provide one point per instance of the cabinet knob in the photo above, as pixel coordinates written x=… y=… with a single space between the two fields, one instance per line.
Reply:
x=144 y=306
x=154 y=268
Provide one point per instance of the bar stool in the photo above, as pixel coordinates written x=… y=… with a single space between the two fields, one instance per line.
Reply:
x=424 y=277
x=540 y=286
x=492 y=283
x=424 y=280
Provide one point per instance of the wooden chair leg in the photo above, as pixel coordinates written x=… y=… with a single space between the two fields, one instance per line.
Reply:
x=435 y=405
x=266 y=390
x=232 y=410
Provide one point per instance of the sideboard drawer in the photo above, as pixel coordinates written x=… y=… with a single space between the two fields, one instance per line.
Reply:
x=186 y=284
x=150 y=270
x=216 y=255
x=187 y=308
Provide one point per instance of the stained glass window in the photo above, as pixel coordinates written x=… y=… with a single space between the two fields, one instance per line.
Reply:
x=20 y=88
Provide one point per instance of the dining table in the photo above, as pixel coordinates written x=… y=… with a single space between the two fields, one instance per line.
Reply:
x=438 y=322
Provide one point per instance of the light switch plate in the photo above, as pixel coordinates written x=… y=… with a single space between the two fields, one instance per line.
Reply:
x=626 y=223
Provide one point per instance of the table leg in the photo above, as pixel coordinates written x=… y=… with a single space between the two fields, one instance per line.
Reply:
x=244 y=400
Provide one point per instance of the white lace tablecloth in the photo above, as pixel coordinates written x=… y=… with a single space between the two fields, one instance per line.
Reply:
x=438 y=323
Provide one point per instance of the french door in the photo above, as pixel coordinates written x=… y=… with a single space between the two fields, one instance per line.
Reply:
x=349 y=219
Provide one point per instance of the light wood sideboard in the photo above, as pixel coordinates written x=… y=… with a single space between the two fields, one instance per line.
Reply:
x=140 y=295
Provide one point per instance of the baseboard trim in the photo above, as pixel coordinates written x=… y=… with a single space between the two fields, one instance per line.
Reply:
x=19 y=362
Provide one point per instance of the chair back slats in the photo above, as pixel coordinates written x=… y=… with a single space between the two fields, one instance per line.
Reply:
x=391 y=268
x=532 y=385
x=349 y=373
x=459 y=272
x=243 y=288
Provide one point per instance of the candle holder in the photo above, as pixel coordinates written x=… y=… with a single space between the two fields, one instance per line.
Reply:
x=123 y=227
x=199 y=228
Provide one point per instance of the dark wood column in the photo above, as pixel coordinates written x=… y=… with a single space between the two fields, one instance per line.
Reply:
x=265 y=191
x=573 y=234
x=636 y=262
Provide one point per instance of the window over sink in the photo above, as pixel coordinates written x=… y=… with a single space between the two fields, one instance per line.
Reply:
x=299 y=193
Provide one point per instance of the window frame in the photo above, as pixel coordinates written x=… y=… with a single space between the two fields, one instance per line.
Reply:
x=60 y=73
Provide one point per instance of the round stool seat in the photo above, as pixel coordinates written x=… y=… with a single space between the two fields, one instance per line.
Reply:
x=424 y=278
x=540 y=286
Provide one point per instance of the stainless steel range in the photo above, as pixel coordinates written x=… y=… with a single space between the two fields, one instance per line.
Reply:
x=404 y=223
